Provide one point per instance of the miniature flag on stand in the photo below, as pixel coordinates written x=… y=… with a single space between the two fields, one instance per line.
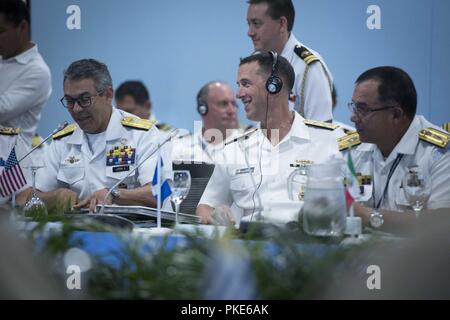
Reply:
x=165 y=188
x=11 y=177
x=352 y=189
x=353 y=225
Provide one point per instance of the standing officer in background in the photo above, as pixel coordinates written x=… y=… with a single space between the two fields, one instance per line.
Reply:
x=395 y=140
x=270 y=24
x=217 y=106
x=133 y=97
x=105 y=144
x=264 y=83
x=25 y=83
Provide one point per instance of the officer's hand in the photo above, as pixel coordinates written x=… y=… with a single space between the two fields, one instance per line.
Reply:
x=222 y=216
x=23 y=196
x=66 y=196
x=96 y=198
x=362 y=211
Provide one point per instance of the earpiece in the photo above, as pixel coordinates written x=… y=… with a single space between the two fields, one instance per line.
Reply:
x=202 y=109
x=274 y=84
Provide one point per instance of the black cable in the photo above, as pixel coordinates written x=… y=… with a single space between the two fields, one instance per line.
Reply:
x=259 y=163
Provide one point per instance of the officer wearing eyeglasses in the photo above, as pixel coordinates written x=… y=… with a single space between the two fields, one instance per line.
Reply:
x=392 y=140
x=102 y=147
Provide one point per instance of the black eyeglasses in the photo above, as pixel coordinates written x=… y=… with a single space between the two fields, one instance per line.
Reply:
x=363 y=112
x=83 y=102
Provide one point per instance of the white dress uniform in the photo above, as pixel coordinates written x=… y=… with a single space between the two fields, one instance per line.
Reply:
x=432 y=160
x=71 y=164
x=25 y=85
x=193 y=148
x=315 y=102
x=231 y=182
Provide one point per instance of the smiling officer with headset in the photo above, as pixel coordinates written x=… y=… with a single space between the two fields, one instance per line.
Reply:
x=284 y=138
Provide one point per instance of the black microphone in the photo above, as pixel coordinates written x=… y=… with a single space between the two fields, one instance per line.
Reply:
x=243 y=137
x=59 y=128
x=171 y=135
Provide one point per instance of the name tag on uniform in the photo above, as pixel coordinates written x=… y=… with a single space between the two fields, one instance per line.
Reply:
x=121 y=169
x=245 y=170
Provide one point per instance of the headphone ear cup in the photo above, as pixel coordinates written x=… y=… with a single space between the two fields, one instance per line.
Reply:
x=202 y=109
x=274 y=84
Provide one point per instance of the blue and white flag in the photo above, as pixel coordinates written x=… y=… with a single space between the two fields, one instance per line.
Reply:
x=165 y=187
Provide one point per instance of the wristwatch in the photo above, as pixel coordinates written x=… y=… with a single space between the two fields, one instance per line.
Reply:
x=376 y=219
x=115 y=193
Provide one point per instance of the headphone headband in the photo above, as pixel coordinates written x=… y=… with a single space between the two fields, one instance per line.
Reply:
x=274 y=84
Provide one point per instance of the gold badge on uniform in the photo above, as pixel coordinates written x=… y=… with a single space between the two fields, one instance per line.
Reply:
x=72 y=160
x=123 y=141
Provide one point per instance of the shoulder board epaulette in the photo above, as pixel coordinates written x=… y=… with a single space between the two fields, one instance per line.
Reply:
x=435 y=137
x=348 y=131
x=35 y=141
x=163 y=126
x=321 y=124
x=65 y=132
x=349 y=140
x=9 y=131
x=305 y=54
x=446 y=126
x=137 y=123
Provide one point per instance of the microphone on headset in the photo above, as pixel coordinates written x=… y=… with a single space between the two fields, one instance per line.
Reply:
x=59 y=128
x=171 y=135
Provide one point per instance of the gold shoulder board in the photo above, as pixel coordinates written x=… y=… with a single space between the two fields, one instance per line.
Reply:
x=305 y=55
x=321 y=124
x=9 y=131
x=137 y=123
x=35 y=141
x=349 y=140
x=435 y=137
x=446 y=126
x=163 y=126
x=65 y=132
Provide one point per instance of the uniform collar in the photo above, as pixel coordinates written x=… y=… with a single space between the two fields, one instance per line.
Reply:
x=24 y=57
x=289 y=47
x=299 y=129
x=410 y=139
x=113 y=131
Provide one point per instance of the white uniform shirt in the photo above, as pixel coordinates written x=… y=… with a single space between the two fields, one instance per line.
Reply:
x=70 y=163
x=231 y=182
x=432 y=161
x=318 y=104
x=194 y=148
x=25 y=85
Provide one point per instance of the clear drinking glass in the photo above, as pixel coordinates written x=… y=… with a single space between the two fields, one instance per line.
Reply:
x=35 y=206
x=179 y=185
x=324 y=209
x=417 y=189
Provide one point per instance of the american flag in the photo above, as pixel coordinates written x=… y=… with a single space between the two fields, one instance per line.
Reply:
x=11 y=178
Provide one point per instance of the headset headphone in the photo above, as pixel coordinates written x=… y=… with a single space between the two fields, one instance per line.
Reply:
x=274 y=84
x=202 y=109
